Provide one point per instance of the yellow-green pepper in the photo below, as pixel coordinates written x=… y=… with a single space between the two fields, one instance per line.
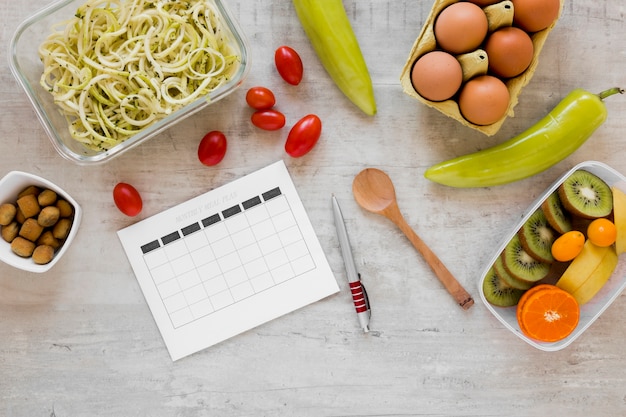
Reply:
x=551 y=140
x=326 y=24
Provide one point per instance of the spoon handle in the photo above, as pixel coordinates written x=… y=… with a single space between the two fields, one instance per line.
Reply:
x=448 y=280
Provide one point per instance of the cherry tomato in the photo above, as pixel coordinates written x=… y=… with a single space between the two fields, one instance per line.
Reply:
x=268 y=119
x=260 y=98
x=127 y=199
x=212 y=148
x=303 y=135
x=602 y=232
x=289 y=65
x=567 y=246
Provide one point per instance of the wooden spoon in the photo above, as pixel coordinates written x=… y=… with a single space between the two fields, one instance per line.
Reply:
x=374 y=191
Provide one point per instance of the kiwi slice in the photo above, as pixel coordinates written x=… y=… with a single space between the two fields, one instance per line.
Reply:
x=586 y=195
x=555 y=213
x=520 y=264
x=510 y=280
x=498 y=293
x=536 y=236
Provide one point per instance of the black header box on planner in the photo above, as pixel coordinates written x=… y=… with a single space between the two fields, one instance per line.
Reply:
x=215 y=218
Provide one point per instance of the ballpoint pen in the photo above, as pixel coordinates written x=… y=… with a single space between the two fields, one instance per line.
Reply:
x=359 y=295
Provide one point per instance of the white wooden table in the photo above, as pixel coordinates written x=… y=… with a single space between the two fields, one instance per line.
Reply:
x=81 y=341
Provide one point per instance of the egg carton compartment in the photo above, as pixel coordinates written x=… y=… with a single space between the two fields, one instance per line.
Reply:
x=472 y=63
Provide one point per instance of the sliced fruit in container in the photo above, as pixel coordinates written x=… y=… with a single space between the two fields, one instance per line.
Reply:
x=598 y=279
x=547 y=313
x=498 y=293
x=599 y=282
x=510 y=280
x=521 y=265
x=588 y=272
x=583 y=266
x=537 y=236
x=586 y=195
x=619 y=218
x=559 y=219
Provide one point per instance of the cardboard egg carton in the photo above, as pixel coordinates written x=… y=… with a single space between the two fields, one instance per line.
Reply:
x=473 y=63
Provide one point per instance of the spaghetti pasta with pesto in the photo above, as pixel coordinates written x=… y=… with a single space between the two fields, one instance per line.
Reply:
x=119 y=66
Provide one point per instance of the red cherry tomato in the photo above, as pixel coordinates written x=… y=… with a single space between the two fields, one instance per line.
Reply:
x=212 y=148
x=127 y=199
x=268 y=119
x=303 y=135
x=260 y=98
x=289 y=65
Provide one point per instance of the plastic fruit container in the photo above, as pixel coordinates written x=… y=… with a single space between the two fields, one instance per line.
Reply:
x=12 y=184
x=590 y=311
x=27 y=68
x=426 y=42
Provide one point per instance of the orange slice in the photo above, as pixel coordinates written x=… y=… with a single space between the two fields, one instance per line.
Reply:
x=547 y=313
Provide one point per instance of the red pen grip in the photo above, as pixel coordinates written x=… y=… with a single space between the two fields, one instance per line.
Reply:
x=358 y=296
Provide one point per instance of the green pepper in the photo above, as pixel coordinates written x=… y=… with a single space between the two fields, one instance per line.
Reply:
x=549 y=141
x=327 y=26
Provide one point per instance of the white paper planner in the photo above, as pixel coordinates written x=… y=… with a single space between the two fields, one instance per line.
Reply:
x=228 y=260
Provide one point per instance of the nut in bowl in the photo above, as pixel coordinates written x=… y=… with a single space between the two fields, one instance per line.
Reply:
x=559 y=249
x=39 y=221
x=103 y=95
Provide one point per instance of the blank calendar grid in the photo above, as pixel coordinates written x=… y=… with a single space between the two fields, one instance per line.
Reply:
x=227 y=257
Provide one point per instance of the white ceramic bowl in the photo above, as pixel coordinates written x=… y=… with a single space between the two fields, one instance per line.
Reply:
x=10 y=186
x=27 y=68
x=590 y=311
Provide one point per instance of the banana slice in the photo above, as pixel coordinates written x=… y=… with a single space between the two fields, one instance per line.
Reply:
x=588 y=272
x=597 y=279
x=619 y=218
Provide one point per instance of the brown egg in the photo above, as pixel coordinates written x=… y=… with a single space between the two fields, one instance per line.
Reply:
x=510 y=51
x=437 y=76
x=461 y=27
x=535 y=15
x=484 y=100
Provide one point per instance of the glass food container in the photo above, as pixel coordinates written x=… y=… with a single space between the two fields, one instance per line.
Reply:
x=27 y=68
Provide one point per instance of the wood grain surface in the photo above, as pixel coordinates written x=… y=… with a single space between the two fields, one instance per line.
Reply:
x=81 y=341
